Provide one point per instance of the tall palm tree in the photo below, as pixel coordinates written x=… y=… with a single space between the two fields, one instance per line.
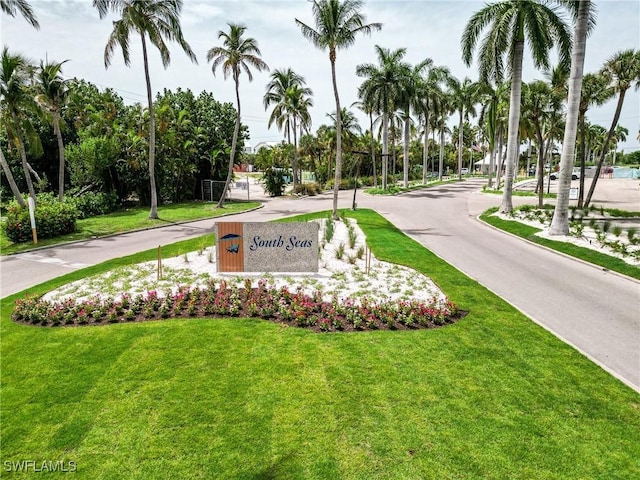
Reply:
x=159 y=20
x=16 y=100
x=511 y=23
x=11 y=7
x=298 y=103
x=429 y=87
x=409 y=99
x=464 y=95
x=53 y=92
x=623 y=71
x=369 y=109
x=236 y=54
x=380 y=89
x=291 y=99
x=584 y=22
x=337 y=24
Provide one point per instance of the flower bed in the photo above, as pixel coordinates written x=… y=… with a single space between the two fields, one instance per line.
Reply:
x=221 y=300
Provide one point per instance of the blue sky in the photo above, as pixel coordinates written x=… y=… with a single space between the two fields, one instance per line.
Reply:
x=71 y=29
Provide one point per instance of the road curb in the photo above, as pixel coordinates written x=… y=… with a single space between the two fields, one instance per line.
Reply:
x=584 y=262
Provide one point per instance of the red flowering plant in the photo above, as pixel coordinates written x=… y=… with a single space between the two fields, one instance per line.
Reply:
x=280 y=304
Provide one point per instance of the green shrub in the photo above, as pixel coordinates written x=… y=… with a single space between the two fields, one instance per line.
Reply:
x=310 y=189
x=274 y=180
x=345 y=184
x=90 y=204
x=52 y=219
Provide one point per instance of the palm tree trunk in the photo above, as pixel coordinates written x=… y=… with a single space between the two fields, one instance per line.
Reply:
x=583 y=154
x=540 y=167
x=560 y=221
x=405 y=153
x=336 y=181
x=373 y=151
x=425 y=148
x=441 y=160
x=514 y=120
x=153 y=212
x=501 y=156
x=385 y=149
x=23 y=156
x=58 y=133
x=294 y=164
x=603 y=152
x=460 y=141
x=234 y=143
x=492 y=165
x=12 y=183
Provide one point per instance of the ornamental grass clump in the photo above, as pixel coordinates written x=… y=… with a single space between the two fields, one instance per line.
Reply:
x=281 y=305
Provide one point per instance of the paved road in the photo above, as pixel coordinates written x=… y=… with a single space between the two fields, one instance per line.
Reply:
x=593 y=310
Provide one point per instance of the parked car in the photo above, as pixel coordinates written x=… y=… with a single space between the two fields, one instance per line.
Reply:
x=464 y=171
x=575 y=174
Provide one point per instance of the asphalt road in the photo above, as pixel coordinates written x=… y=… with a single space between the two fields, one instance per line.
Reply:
x=595 y=311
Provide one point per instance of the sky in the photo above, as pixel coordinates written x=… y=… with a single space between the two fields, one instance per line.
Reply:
x=72 y=29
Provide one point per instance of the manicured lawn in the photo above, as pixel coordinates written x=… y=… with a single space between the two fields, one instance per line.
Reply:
x=132 y=219
x=493 y=396
x=529 y=233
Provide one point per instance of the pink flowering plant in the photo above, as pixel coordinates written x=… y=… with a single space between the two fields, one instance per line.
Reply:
x=219 y=299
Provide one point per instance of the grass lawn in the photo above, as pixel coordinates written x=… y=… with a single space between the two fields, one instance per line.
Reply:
x=588 y=255
x=492 y=396
x=135 y=218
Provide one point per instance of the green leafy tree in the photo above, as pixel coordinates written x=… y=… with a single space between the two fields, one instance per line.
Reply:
x=337 y=24
x=236 y=54
x=53 y=92
x=159 y=20
x=380 y=90
x=584 y=22
x=510 y=24
x=16 y=102
x=623 y=71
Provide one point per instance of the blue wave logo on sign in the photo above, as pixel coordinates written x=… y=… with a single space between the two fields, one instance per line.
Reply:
x=235 y=247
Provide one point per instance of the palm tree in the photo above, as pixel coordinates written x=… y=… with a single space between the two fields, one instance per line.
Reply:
x=380 y=90
x=15 y=101
x=464 y=96
x=428 y=88
x=160 y=21
x=53 y=93
x=584 y=16
x=623 y=71
x=337 y=24
x=510 y=23
x=11 y=7
x=368 y=108
x=287 y=92
x=236 y=54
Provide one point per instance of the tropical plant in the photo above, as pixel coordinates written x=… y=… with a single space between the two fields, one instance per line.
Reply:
x=236 y=54
x=337 y=24
x=380 y=91
x=291 y=101
x=584 y=22
x=16 y=101
x=159 y=20
x=623 y=71
x=511 y=23
x=53 y=92
x=11 y=7
x=464 y=96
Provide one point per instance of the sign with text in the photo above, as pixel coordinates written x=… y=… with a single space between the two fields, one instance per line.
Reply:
x=267 y=247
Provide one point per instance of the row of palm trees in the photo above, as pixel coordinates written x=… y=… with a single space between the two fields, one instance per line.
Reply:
x=501 y=32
